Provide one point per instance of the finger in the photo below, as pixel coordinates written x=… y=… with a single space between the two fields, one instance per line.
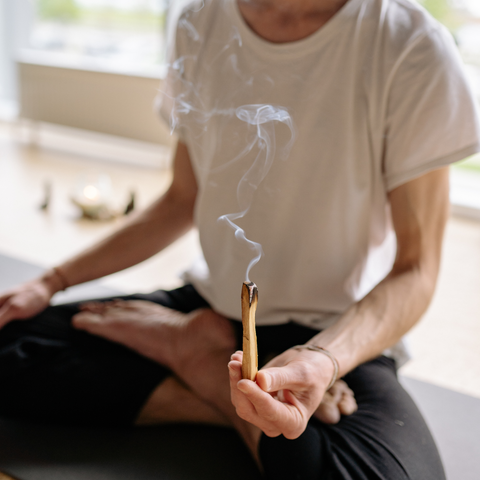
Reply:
x=237 y=356
x=4 y=298
x=242 y=405
x=12 y=309
x=103 y=305
x=131 y=304
x=259 y=408
x=90 y=322
x=235 y=375
x=92 y=307
x=124 y=304
x=235 y=370
x=265 y=406
x=6 y=313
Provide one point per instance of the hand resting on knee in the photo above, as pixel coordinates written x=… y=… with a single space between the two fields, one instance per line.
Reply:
x=29 y=299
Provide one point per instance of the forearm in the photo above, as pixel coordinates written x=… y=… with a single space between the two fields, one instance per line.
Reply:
x=419 y=212
x=142 y=237
x=379 y=320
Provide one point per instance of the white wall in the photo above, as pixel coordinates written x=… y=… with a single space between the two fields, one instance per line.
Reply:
x=16 y=17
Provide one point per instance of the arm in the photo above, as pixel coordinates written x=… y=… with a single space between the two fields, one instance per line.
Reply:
x=380 y=319
x=146 y=234
x=142 y=237
x=419 y=213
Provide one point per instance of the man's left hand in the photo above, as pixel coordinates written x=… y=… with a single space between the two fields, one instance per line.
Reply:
x=287 y=392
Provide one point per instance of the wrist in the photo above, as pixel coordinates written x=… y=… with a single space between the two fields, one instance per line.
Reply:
x=329 y=363
x=54 y=280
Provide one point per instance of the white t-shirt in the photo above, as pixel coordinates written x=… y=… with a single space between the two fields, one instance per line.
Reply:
x=373 y=99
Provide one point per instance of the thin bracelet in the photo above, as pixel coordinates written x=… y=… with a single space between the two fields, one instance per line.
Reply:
x=314 y=348
x=62 y=277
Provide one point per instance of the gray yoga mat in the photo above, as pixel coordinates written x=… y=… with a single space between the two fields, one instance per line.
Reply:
x=40 y=452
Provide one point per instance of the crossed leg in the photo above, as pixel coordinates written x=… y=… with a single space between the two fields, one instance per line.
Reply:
x=69 y=376
x=196 y=347
x=173 y=402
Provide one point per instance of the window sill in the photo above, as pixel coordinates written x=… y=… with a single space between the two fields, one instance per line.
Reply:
x=91 y=64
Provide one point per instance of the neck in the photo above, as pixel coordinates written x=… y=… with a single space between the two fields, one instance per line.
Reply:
x=281 y=21
x=297 y=6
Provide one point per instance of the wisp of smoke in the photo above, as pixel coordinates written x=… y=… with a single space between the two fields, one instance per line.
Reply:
x=264 y=118
x=185 y=100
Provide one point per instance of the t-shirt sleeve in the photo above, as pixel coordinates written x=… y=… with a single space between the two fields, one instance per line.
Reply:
x=431 y=113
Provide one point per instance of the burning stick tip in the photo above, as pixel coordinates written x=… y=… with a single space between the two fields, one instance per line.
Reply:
x=252 y=291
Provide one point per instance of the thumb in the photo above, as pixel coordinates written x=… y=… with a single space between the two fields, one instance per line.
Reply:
x=277 y=378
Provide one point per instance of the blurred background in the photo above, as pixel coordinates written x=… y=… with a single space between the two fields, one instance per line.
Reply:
x=77 y=82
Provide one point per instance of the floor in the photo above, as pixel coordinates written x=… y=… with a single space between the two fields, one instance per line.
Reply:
x=445 y=344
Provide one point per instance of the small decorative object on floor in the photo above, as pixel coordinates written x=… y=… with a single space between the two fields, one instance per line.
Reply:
x=47 y=192
x=249 y=306
x=131 y=204
x=93 y=195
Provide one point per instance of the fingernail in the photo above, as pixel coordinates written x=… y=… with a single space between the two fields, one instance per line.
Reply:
x=268 y=381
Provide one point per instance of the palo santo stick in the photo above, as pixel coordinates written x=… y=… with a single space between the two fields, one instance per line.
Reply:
x=249 y=306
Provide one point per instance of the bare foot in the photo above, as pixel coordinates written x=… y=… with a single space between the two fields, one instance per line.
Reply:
x=173 y=402
x=337 y=401
x=164 y=335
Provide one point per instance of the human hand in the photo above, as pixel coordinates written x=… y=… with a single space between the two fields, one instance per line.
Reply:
x=287 y=392
x=25 y=301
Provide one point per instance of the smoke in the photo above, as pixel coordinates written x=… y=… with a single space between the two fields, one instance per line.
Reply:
x=264 y=118
x=184 y=105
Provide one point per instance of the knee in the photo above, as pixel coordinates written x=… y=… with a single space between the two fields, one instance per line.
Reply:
x=301 y=458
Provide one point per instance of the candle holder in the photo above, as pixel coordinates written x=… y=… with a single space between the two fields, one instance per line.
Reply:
x=93 y=195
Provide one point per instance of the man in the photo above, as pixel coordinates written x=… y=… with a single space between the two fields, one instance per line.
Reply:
x=350 y=215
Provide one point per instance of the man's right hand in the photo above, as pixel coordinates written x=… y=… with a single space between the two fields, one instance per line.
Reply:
x=27 y=300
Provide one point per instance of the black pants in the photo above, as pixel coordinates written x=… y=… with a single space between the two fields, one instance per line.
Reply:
x=51 y=372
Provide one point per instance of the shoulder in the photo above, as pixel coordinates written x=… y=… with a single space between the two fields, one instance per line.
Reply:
x=409 y=28
x=401 y=36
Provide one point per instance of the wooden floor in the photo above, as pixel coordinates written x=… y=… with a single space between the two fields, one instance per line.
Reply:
x=445 y=345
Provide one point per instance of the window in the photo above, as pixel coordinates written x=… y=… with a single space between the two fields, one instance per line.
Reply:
x=462 y=18
x=121 y=35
